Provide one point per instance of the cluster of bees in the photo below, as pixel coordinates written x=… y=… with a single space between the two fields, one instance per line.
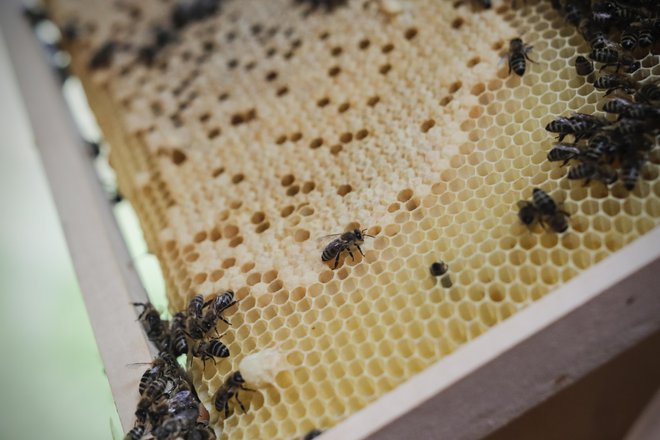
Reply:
x=169 y=407
x=183 y=13
x=603 y=148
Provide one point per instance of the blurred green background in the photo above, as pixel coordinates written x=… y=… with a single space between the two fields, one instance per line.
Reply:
x=52 y=384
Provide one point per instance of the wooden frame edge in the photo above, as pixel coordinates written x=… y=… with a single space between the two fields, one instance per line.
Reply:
x=101 y=260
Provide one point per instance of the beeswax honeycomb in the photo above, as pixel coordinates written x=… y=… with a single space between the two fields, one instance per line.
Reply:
x=267 y=126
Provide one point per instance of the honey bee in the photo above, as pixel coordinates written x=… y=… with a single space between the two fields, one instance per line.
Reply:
x=607 y=55
x=328 y=5
x=155 y=389
x=580 y=125
x=136 y=433
x=439 y=268
x=210 y=349
x=614 y=81
x=564 y=152
x=517 y=56
x=197 y=328
x=174 y=426
x=178 y=341
x=102 y=58
x=648 y=34
x=598 y=39
x=648 y=93
x=230 y=389
x=543 y=202
x=344 y=243
x=630 y=171
x=625 y=10
x=583 y=66
x=628 y=63
x=195 y=306
x=201 y=431
x=158 y=411
x=599 y=146
x=149 y=376
x=544 y=209
x=156 y=329
x=183 y=400
x=527 y=212
x=592 y=171
x=312 y=434
x=629 y=37
x=626 y=126
x=573 y=12
x=627 y=108
x=145 y=403
x=221 y=303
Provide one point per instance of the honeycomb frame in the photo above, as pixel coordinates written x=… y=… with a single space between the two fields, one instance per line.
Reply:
x=441 y=215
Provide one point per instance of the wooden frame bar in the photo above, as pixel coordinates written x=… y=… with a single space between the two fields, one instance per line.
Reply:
x=102 y=263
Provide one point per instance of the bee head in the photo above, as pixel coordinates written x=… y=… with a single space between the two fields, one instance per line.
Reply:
x=360 y=234
x=516 y=43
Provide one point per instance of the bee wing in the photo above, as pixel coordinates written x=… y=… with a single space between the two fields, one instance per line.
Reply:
x=504 y=56
x=325 y=237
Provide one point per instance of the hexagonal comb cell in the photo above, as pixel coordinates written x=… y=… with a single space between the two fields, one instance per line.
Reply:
x=270 y=125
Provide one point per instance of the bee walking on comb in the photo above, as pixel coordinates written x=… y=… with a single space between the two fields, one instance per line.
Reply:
x=344 y=243
x=517 y=56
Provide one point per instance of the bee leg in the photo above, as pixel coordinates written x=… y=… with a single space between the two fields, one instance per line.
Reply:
x=223 y=320
x=227 y=408
x=336 y=261
x=542 y=223
x=247 y=389
x=587 y=181
x=240 y=403
x=351 y=254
